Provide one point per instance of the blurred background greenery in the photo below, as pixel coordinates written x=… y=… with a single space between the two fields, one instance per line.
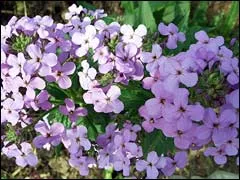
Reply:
x=215 y=17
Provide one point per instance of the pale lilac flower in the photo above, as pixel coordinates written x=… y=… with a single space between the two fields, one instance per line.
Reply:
x=211 y=43
x=125 y=55
x=10 y=150
x=86 y=40
x=181 y=109
x=101 y=55
x=122 y=163
x=233 y=98
x=151 y=165
x=71 y=111
x=32 y=83
x=60 y=74
x=87 y=76
x=10 y=110
x=179 y=73
x=173 y=35
x=180 y=161
x=81 y=163
x=152 y=58
x=131 y=36
x=78 y=138
x=219 y=154
x=40 y=101
x=39 y=61
x=230 y=67
x=16 y=63
x=49 y=134
x=27 y=157
x=108 y=102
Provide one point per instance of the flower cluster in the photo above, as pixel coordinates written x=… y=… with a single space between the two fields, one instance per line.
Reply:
x=78 y=68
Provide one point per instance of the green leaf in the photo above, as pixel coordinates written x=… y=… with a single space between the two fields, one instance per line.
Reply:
x=128 y=6
x=146 y=16
x=231 y=17
x=86 y=5
x=156 y=141
x=169 y=13
x=183 y=12
x=55 y=92
x=199 y=16
x=157 y=5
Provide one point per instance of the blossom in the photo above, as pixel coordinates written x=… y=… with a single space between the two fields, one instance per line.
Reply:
x=78 y=139
x=131 y=36
x=70 y=110
x=178 y=73
x=87 y=75
x=16 y=63
x=179 y=160
x=39 y=61
x=86 y=40
x=60 y=74
x=152 y=58
x=27 y=157
x=108 y=102
x=219 y=154
x=151 y=165
x=173 y=35
x=49 y=134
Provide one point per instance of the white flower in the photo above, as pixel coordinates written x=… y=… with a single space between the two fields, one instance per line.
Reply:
x=73 y=10
x=85 y=40
x=131 y=36
x=87 y=76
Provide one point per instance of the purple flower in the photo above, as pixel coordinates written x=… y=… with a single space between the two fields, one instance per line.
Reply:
x=123 y=144
x=181 y=109
x=152 y=58
x=219 y=154
x=179 y=160
x=230 y=141
x=70 y=110
x=233 y=98
x=122 y=163
x=40 y=101
x=104 y=139
x=153 y=162
x=43 y=62
x=10 y=150
x=181 y=131
x=32 y=83
x=211 y=43
x=173 y=35
x=78 y=138
x=155 y=106
x=178 y=73
x=205 y=56
x=49 y=134
x=125 y=55
x=60 y=74
x=81 y=163
x=230 y=67
x=27 y=157
x=133 y=129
